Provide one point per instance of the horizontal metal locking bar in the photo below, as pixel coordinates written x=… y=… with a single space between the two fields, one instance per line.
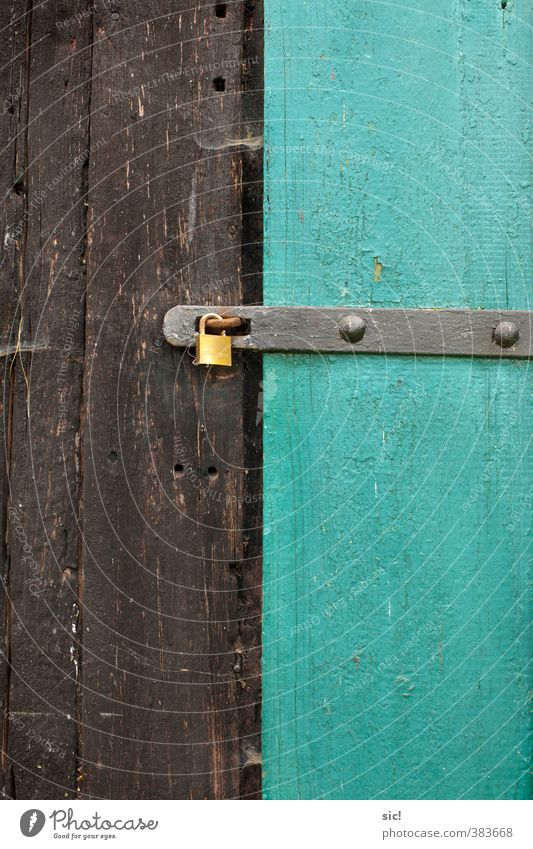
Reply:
x=420 y=332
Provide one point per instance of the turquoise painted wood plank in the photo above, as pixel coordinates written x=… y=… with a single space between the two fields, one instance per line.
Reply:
x=398 y=492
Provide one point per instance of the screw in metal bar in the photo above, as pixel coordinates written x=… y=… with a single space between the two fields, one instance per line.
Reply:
x=506 y=334
x=352 y=328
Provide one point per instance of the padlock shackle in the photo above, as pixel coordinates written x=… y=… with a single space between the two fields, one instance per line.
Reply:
x=205 y=318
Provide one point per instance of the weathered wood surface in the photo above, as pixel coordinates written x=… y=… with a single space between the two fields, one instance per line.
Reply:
x=45 y=180
x=12 y=57
x=134 y=655
x=397 y=492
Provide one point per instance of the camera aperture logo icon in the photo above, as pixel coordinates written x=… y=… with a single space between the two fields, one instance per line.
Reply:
x=32 y=822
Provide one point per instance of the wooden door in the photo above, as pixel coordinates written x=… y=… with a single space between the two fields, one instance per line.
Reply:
x=397 y=514
x=397 y=560
x=130 y=571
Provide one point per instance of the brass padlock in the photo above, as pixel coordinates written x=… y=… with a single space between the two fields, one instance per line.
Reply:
x=212 y=350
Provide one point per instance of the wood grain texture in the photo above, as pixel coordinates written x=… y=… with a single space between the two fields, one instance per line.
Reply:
x=397 y=492
x=45 y=241
x=130 y=491
x=12 y=81
x=170 y=595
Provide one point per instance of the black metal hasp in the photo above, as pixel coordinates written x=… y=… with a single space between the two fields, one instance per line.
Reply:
x=417 y=332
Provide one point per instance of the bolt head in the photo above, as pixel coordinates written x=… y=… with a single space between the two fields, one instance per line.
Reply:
x=506 y=334
x=352 y=328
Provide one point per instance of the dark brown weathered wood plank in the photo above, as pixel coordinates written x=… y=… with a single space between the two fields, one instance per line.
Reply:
x=40 y=744
x=13 y=25
x=250 y=575
x=170 y=621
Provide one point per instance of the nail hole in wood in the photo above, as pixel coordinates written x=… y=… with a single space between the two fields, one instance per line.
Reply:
x=178 y=470
x=112 y=456
x=212 y=472
x=221 y=10
x=219 y=84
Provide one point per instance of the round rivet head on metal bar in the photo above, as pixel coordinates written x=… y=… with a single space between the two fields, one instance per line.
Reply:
x=506 y=334
x=352 y=328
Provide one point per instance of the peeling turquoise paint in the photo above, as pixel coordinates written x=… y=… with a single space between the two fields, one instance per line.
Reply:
x=398 y=491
